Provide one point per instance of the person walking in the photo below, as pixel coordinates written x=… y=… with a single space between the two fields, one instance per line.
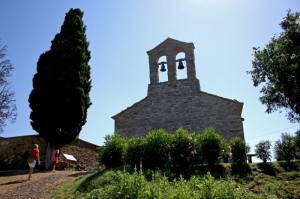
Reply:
x=34 y=156
x=54 y=158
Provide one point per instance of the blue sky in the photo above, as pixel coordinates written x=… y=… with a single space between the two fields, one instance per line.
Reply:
x=121 y=31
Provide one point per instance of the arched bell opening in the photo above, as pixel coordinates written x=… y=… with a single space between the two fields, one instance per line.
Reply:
x=162 y=69
x=181 y=66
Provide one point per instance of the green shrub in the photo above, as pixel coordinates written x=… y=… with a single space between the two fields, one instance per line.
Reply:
x=285 y=149
x=183 y=152
x=297 y=144
x=135 y=151
x=111 y=154
x=156 y=153
x=210 y=145
x=239 y=149
x=262 y=150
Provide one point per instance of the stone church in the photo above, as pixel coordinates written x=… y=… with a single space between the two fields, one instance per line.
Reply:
x=179 y=103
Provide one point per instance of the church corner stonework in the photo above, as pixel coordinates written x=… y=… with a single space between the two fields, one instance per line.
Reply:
x=179 y=103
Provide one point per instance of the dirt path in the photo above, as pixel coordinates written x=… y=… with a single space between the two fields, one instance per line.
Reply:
x=16 y=184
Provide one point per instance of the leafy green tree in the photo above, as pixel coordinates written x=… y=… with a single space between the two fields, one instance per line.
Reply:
x=277 y=68
x=262 y=150
x=60 y=98
x=111 y=154
x=8 y=108
x=239 y=149
x=285 y=149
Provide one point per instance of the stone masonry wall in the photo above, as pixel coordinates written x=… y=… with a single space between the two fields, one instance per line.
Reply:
x=179 y=103
x=183 y=106
x=13 y=148
x=84 y=152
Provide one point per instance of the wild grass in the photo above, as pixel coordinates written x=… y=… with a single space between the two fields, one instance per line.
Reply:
x=263 y=181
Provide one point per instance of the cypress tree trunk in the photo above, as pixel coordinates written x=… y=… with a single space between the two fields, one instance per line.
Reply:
x=265 y=160
x=48 y=162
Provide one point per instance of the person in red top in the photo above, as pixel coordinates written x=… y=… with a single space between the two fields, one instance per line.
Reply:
x=54 y=158
x=34 y=156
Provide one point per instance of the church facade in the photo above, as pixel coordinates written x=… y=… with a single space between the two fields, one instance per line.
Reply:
x=179 y=103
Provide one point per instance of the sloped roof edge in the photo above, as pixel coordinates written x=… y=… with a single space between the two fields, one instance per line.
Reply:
x=227 y=99
x=128 y=108
x=200 y=92
x=167 y=42
x=233 y=100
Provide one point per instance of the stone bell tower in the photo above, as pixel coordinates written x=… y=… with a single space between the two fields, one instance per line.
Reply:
x=170 y=48
x=178 y=103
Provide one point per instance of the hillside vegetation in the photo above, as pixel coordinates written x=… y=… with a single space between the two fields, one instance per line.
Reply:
x=271 y=180
x=185 y=165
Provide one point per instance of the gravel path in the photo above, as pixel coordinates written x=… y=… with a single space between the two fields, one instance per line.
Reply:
x=15 y=185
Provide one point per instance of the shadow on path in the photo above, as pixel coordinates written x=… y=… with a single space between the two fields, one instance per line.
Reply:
x=13 y=182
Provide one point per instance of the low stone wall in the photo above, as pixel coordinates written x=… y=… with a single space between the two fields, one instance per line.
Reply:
x=12 y=152
x=84 y=152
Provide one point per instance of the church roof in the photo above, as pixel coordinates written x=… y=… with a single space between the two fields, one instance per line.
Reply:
x=170 y=43
x=241 y=104
x=130 y=107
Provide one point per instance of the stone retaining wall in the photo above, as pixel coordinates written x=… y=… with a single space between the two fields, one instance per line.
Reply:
x=12 y=150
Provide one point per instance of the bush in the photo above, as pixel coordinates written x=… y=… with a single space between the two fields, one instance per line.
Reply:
x=239 y=149
x=262 y=150
x=156 y=153
x=162 y=150
x=135 y=151
x=285 y=149
x=297 y=143
x=182 y=150
x=210 y=145
x=111 y=154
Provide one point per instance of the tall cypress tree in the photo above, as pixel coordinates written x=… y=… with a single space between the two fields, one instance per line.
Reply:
x=60 y=96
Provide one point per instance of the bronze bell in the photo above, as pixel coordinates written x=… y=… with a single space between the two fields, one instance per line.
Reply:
x=163 y=68
x=180 y=65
